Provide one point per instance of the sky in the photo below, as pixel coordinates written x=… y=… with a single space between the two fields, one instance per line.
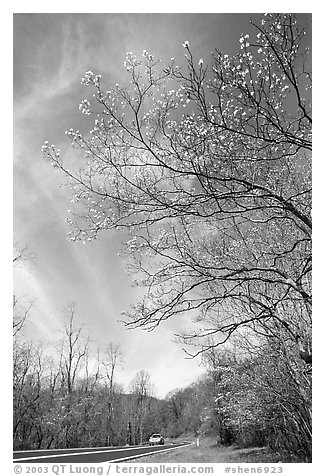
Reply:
x=51 y=53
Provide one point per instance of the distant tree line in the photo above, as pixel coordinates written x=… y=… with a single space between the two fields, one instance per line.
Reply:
x=72 y=398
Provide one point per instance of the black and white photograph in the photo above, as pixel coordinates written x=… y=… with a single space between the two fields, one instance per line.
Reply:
x=162 y=241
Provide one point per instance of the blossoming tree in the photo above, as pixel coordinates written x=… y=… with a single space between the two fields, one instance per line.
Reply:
x=208 y=170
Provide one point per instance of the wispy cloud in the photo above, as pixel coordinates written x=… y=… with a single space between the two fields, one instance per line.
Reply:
x=52 y=53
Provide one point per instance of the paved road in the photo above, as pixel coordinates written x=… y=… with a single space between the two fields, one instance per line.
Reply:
x=89 y=455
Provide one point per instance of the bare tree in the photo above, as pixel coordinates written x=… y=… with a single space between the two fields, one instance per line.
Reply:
x=73 y=351
x=142 y=389
x=72 y=361
x=111 y=360
x=20 y=312
x=20 y=315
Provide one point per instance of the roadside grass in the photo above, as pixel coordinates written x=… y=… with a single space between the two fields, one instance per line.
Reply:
x=210 y=452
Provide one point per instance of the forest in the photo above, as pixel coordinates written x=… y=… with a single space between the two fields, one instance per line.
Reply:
x=247 y=397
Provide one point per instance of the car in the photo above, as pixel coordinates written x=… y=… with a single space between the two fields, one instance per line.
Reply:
x=156 y=439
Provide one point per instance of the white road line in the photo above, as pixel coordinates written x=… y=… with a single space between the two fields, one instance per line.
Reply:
x=147 y=454
x=63 y=455
x=68 y=449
